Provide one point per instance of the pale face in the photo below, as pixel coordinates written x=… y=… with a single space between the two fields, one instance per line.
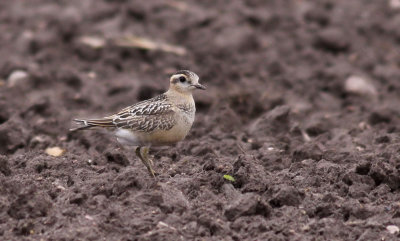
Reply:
x=185 y=81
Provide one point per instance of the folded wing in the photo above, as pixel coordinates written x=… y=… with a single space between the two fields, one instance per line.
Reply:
x=145 y=116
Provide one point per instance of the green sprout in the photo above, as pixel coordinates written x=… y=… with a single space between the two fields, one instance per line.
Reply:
x=229 y=178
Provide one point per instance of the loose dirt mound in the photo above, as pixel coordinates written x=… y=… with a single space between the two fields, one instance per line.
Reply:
x=302 y=109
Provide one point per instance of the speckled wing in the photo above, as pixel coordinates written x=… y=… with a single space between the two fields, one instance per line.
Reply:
x=146 y=116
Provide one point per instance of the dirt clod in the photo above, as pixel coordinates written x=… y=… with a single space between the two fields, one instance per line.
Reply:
x=288 y=196
x=246 y=205
x=333 y=39
x=116 y=157
x=4 y=167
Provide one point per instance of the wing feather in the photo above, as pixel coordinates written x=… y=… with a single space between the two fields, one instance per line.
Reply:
x=145 y=116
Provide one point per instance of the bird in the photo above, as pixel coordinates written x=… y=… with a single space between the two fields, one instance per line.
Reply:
x=162 y=120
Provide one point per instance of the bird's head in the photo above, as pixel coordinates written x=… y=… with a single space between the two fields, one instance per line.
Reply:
x=185 y=81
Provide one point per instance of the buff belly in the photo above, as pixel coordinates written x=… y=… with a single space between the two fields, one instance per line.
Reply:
x=154 y=138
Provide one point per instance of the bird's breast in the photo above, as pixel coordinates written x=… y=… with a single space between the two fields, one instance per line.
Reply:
x=183 y=117
x=184 y=120
x=186 y=112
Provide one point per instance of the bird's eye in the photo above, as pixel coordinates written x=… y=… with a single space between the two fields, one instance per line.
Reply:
x=182 y=79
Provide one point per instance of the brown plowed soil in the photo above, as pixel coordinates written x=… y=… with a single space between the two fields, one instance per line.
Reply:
x=312 y=159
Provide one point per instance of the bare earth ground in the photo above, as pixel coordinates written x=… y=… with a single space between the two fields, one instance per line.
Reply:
x=312 y=158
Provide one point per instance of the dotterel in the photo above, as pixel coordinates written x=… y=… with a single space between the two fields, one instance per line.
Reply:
x=162 y=120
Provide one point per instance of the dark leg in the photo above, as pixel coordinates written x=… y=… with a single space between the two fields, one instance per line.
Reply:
x=142 y=153
x=145 y=154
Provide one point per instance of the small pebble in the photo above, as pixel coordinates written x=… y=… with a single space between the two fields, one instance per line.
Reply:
x=89 y=217
x=393 y=229
x=360 y=148
x=92 y=75
x=363 y=126
x=54 y=151
x=333 y=39
x=306 y=228
x=93 y=42
x=16 y=76
x=394 y=4
x=360 y=86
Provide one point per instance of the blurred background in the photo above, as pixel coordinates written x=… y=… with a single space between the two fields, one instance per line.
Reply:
x=302 y=100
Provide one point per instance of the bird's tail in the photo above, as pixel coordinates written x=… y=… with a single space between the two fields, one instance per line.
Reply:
x=88 y=124
x=84 y=125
